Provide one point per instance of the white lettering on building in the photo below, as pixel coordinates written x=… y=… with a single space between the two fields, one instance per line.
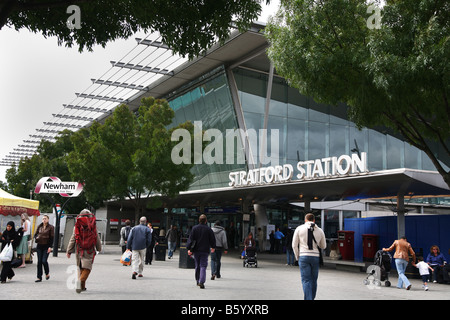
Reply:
x=306 y=170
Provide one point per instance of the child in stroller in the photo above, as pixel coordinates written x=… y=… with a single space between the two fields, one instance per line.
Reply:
x=380 y=269
x=250 y=252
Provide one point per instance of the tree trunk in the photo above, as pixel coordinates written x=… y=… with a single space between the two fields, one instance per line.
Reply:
x=137 y=214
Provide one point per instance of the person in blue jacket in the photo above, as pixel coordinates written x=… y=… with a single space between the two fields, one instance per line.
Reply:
x=278 y=240
x=436 y=260
x=139 y=239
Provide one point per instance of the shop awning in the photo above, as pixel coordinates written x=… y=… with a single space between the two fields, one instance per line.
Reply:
x=13 y=205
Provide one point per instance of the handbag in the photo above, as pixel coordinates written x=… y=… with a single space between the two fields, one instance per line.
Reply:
x=320 y=252
x=7 y=253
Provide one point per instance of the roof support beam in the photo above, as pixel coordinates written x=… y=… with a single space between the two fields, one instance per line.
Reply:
x=91 y=96
x=154 y=43
x=142 y=68
x=54 y=124
x=84 y=108
x=120 y=84
x=66 y=116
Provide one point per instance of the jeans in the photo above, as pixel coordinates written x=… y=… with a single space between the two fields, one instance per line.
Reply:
x=201 y=263
x=216 y=256
x=171 y=246
x=42 y=254
x=290 y=256
x=401 y=265
x=309 y=271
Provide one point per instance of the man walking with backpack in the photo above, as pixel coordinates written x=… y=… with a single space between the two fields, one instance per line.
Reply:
x=139 y=239
x=307 y=240
x=85 y=241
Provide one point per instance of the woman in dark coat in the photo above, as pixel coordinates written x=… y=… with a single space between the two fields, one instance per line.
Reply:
x=8 y=236
x=44 y=240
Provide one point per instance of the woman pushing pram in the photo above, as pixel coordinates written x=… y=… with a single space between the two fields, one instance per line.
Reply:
x=250 y=251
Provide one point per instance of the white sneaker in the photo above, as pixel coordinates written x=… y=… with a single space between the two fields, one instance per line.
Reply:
x=425 y=288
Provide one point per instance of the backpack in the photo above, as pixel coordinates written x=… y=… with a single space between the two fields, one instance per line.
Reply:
x=86 y=233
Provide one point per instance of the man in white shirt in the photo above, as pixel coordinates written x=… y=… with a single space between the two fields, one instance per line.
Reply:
x=307 y=240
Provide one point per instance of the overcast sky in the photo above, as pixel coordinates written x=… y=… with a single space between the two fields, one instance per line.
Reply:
x=37 y=77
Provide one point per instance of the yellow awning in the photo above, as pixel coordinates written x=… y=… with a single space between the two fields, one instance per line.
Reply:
x=13 y=205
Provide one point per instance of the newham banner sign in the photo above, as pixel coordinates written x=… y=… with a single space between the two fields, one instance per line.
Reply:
x=55 y=185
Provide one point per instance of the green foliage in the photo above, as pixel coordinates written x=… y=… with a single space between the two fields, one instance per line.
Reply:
x=395 y=76
x=49 y=161
x=186 y=26
x=129 y=155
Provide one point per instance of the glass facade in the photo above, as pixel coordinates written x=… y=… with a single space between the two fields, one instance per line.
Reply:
x=308 y=130
x=209 y=101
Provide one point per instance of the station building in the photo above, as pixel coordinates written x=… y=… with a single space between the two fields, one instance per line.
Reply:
x=276 y=154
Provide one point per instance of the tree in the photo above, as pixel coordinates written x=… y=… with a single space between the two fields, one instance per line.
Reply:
x=21 y=178
x=186 y=26
x=394 y=74
x=50 y=160
x=129 y=156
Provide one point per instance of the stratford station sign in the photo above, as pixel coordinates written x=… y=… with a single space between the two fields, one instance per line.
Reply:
x=330 y=167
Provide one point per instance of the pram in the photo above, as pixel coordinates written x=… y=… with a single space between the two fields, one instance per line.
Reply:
x=379 y=271
x=250 y=258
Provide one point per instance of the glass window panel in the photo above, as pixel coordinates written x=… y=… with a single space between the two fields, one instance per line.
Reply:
x=252 y=103
x=412 y=157
x=297 y=112
x=318 y=112
x=296 y=139
x=339 y=140
x=358 y=140
x=280 y=124
x=278 y=103
x=395 y=153
x=317 y=136
x=189 y=112
x=279 y=90
x=254 y=121
x=427 y=164
x=376 y=154
x=337 y=120
x=278 y=108
x=179 y=117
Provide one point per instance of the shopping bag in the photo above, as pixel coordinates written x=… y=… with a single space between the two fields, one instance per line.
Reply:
x=7 y=253
x=126 y=258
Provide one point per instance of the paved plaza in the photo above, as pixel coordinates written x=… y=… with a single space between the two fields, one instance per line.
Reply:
x=164 y=280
